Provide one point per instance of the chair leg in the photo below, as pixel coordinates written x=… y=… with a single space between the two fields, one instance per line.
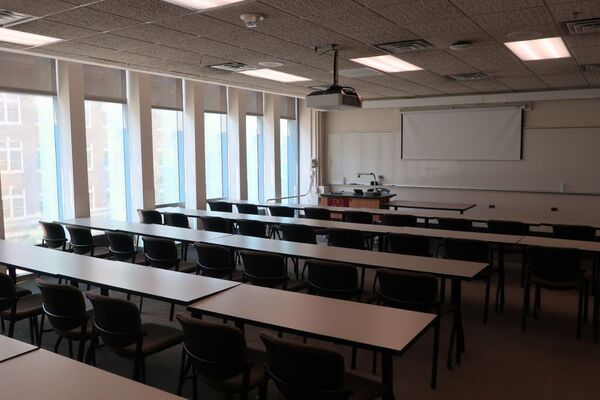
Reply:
x=41 y=332
x=57 y=344
x=70 y=348
x=586 y=299
x=143 y=370
x=374 y=364
x=2 y=322
x=36 y=330
x=436 y=348
x=580 y=312
x=31 y=334
x=487 y=299
x=194 y=384
x=536 y=301
x=182 y=372
x=81 y=349
x=453 y=333
x=141 y=303
x=526 y=296
x=172 y=312
x=353 y=361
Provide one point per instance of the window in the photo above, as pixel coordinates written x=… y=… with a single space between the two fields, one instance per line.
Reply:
x=106 y=142
x=11 y=156
x=289 y=158
x=88 y=114
x=254 y=157
x=167 y=147
x=33 y=194
x=215 y=149
x=10 y=109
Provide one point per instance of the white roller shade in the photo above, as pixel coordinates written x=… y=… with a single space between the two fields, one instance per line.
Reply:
x=104 y=84
x=166 y=92
x=254 y=103
x=471 y=134
x=287 y=107
x=215 y=98
x=27 y=74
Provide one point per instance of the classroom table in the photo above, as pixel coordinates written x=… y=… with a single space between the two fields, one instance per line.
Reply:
x=11 y=348
x=388 y=330
x=41 y=374
x=160 y=284
x=430 y=205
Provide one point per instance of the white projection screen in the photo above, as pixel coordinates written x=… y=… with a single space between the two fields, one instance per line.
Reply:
x=465 y=134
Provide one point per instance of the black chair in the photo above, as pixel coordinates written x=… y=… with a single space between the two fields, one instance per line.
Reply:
x=413 y=245
x=120 y=246
x=335 y=280
x=249 y=227
x=299 y=234
x=508 y=228
x=118 y=323
x=554 y=269
x=399 y=220
x=14 y=308
x=416 y=292
x=282 y=211
x=267 y=269
x=455 y=224
x=53 y=235
x=317 y=213
x=65 y=307
x=150 y=217
x=475 y=251
x=215 y=261
x=82 y=242
x=574 y=232
x=247 y=209
x=301 y=371
x=180 y=221
x=220 y=206
x=347 y=238
x=357 y=217
x=217 y=224
x=220 y=358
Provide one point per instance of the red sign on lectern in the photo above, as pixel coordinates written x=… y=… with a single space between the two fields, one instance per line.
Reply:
x=338 y=202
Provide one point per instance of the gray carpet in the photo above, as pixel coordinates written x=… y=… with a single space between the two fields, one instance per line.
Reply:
x=501 y=361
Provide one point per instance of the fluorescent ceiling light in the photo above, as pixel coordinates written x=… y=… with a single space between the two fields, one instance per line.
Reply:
x=273 y=75
x=202 y=4
x=539 y=49
x=386 y=63
x=28 y=39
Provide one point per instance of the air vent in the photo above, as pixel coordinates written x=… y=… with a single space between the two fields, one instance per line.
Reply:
x=580 y=26
x=470 y=76
x=405 y=46
x=591 y=67
x=232 y=67
x=10 y=18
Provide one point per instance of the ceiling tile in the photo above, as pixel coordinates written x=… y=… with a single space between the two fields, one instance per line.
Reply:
x=86 y=17
x=584 y=9
x=153 y=33
x=455 y=27
x=111 y=41
x=523 y=82
x=419 y=12
x=486 y=85
x=169 y=53
x=593 y=78
x=570 y=80
x=53 y=29
x=476 y=7
x=140 y=10
x=514 y=20
x=558 y=66
x=584 y=40
x=36 y=8
x=437 y=61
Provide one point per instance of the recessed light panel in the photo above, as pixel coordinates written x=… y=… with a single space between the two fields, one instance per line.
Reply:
x=386 y=63
x=25 y=38
x=273 y=75
x=202 y=4
x=539 y=49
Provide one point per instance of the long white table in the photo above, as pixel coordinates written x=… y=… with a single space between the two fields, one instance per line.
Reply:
x=431 y=205
x=10 y=348
x=384 y=329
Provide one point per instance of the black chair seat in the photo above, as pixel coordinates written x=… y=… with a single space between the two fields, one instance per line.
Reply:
x=363 y=387
x=187 y=266
x=22 y=292
x=567 y=285
x=28 y=306
x=156 y=338
x=235 y=385
x=101 y=252
x=292 y=285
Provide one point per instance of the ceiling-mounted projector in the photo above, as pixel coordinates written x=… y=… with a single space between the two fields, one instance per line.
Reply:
x=336 y=97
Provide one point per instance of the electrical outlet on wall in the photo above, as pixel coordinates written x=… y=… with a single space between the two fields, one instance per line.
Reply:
x=492 y=206
x=554 y=209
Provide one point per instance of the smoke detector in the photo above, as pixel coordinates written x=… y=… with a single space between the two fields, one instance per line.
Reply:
x=251 y=20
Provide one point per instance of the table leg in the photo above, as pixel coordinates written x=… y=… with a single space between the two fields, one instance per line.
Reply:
x=501 y=279
x=457 y=302
x=436 y=348
x=387 y=374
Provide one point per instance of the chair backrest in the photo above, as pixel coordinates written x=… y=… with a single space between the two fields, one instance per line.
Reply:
x=466 y=250
x=117 y=321
x=408 y=290
x=63 y=304
x=81 y=239
x=399 y=220
x=217 y=350
x=220 y=206
x=177 y=219
x=455 y=224
x=247 y=209
x=120 y=245
x=554 y=265
x=282 y=211
x=358 y=217
x=299 y=234
x=332 y=279
x=413 y=245
x=508 y=227
x=574 y=232
x=264 y=269
x=252 y=228
x=160 y=253
x=217 y=224
x=150 y=217
x=346 y=238
x=8 y=294
x=317 y=213
x=215 y=261
x=302 y=371
x=53 y=234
